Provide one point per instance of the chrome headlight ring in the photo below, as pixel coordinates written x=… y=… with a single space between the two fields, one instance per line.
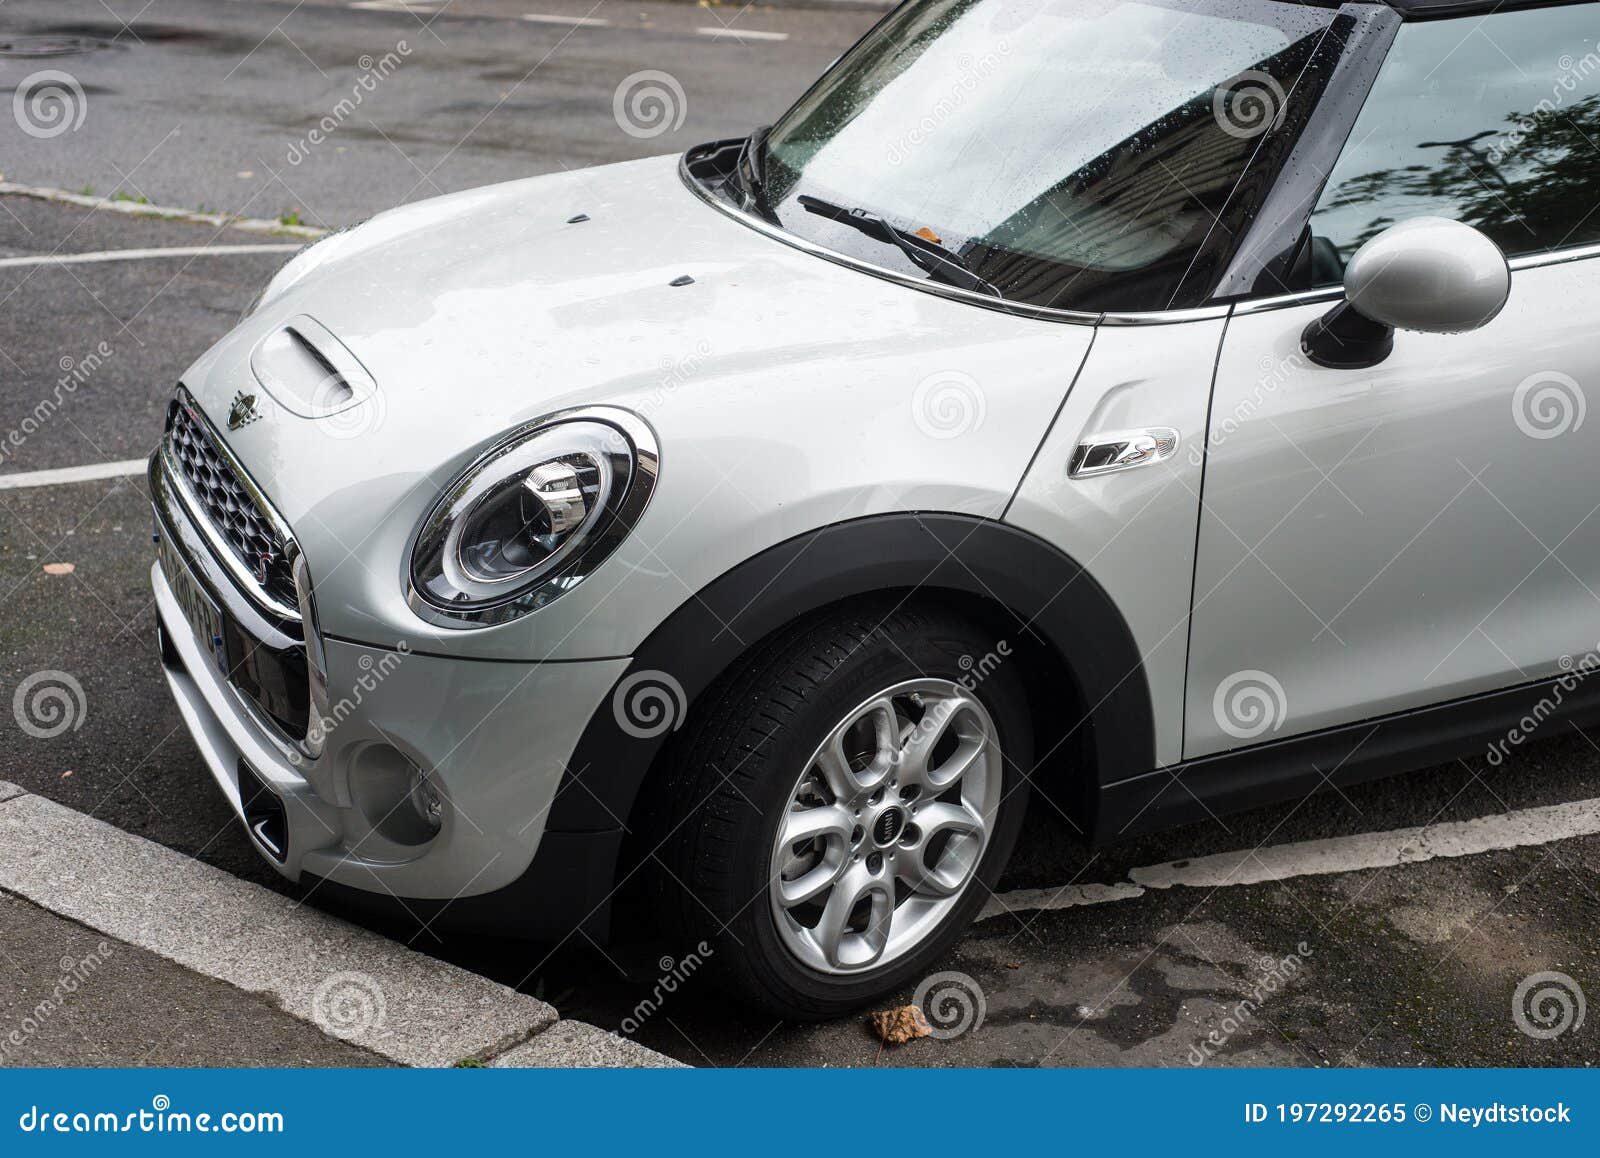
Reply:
x=532 y=517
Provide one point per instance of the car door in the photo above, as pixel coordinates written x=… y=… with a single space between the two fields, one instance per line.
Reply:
x=1373 y=541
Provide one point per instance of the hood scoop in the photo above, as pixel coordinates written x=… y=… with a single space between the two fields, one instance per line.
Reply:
x=310 y=372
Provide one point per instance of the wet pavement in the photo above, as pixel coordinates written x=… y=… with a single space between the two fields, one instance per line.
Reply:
x=1416 y=964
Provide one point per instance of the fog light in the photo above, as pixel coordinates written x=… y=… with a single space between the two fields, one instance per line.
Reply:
x=399 y=802
x=426 y=801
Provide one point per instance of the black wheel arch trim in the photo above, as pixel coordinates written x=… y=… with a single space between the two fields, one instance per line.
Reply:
x=1046 y=594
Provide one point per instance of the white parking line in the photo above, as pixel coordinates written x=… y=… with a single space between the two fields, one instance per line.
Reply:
x=1343 y=854
x=143 y=254
x=71 y=474
x=742 y=34
x=418 y=7
x=574 y=21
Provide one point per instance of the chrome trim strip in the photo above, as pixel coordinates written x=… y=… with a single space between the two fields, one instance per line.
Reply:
x=1556 y=257
x=204 y=704
x=185 y=540
x=1169 y=317
x=1130 y=450
x=1284 y=301
x=175 y=520
x=1336 y=293
x=766 y=228
x=198 y=516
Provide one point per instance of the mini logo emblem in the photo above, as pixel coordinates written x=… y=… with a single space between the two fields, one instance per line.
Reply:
x=888 y=827
x=243 y=411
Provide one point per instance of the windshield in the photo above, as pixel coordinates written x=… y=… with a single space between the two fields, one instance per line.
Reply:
x=1076 y=154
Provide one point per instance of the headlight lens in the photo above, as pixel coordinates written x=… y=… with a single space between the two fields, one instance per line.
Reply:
x=533 y=517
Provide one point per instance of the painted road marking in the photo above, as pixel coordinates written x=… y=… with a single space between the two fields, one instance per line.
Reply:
x=72 y=474
x=742 y=34
x=1341 y=854
x=574 y=21
x=417 y=7
x=142 y=254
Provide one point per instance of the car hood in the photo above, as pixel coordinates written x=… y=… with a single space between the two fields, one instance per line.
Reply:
x=480 y=310
x=476 y=312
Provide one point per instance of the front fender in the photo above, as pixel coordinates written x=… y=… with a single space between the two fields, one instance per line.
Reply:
x=1045 y=594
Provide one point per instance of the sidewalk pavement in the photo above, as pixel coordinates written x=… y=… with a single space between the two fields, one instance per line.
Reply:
x=118 y=951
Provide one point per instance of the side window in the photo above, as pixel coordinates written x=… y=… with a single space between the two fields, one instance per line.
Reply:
x=1492 y=120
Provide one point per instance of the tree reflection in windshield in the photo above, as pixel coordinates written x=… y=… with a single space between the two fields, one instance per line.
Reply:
x=1539 y=196
x=1493 y=121
x=1077 y=154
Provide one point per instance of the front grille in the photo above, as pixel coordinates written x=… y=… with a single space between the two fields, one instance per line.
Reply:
x=229 y=504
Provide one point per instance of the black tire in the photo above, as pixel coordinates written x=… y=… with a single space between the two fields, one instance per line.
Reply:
x=732 y=770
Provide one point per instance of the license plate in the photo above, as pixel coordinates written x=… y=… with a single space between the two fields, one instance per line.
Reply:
x=199 y=610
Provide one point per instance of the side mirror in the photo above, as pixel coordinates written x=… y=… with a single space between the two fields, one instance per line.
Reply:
x=1428 y=274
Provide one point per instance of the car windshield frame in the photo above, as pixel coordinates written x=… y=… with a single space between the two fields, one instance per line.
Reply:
x=760 y=181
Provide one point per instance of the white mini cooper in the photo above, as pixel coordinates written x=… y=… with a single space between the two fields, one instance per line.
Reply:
x=1162 y=406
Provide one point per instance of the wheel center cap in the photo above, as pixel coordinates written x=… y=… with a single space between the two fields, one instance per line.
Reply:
x=887 y=828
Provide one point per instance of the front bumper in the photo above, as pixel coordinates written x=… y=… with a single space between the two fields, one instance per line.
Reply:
x=492 y=737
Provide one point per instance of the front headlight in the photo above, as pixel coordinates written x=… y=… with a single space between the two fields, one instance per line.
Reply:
x=532 y=518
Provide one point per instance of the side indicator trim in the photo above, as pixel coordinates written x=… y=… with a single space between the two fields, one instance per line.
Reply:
x=1122 y=450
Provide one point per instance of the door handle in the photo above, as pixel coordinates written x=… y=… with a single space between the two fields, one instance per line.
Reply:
x=1122 y=450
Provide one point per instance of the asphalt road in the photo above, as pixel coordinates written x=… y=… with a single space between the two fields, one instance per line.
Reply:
x=209 y=103
x=200 y=103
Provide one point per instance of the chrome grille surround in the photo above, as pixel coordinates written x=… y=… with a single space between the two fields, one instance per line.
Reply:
x=245 y=533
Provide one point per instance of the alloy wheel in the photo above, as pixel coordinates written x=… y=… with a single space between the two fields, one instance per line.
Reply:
x=886 y=826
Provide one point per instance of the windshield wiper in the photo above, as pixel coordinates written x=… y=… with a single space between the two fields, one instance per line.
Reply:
x=752 y=169
x=929 y=256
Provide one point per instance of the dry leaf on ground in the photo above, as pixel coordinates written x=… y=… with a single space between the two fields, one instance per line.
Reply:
x=898 y=1026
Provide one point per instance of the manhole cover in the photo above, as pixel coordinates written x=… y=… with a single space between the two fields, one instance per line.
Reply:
x=34 y=46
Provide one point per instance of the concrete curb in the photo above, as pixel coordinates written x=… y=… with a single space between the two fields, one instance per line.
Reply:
x=574 y=1043
x=164 y=212
x=353 y=984
x=826 y=5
